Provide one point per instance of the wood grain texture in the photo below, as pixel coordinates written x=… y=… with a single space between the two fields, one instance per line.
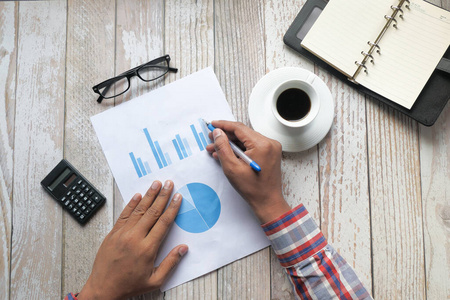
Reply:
x=90 y=60
x=344 y=189
x=435 y=180
x=435 y=174
x=396 y=207
x=239 y=64
x=38 y=147
x=189 y=39
x=300 y=170
x=8 y=51
x=139 y=39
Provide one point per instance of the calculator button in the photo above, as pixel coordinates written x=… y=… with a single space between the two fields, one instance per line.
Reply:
x=78 y=213
x=67 y=203
x=81 y=217
x=91 y=193
x=85 y=199
x=74 y=210
x=74 y=188
x=73 y=197
x=70 y=206
x=87 y=211
x=76 y=201
x=92 y=206
x=83 y=208
x=96 y=198
x=89 y=202
x=83 y=186
x=69 y=193
x=86 y=189
x=80 y=204
x=78 y=191
x=63 y=199
x=81 y=195
x=80 y=182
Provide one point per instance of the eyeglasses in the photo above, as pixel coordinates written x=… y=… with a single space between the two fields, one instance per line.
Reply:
x=120 y=84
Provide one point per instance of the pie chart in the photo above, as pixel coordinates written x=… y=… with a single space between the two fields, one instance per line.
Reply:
x=200 y=208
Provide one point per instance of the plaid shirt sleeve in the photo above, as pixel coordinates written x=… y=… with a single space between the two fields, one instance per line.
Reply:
x=314 y=268
x=71 y=296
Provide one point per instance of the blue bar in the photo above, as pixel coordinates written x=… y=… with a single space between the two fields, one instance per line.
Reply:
x=197 y=138
x=175 y=144
x=136 y=167
x=147 y=167
x=205 y=130
x=202 y=137
x=168 y=158
x=158 y=148
x=186 y=144
x=142 y=166
x=180 y=143
x=155 y=154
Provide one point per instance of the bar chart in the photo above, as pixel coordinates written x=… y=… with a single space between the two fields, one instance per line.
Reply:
x=178 y=145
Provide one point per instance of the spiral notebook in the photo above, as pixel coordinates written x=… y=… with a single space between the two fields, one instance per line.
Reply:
x=390 y=47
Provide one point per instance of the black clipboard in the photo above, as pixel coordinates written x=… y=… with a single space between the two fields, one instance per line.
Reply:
x=431 y=100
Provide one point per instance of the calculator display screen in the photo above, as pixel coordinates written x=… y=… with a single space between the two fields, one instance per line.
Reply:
x=69 y=181
x=59 y=179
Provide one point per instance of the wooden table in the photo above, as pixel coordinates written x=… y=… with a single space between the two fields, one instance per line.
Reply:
x=378 y=184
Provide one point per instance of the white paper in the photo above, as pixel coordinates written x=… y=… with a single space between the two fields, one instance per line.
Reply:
x=225 y=232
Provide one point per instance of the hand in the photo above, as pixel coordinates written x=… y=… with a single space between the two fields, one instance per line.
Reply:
x=125 y=262
x=261 y=190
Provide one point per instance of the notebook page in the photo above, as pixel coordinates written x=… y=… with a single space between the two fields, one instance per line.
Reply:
x=343 y=29
x=409 y=54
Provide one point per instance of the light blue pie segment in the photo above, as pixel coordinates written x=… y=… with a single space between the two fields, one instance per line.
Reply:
x=200 y=208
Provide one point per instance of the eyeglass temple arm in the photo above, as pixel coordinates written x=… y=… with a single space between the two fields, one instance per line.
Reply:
x=173 y=70
x=100 y=99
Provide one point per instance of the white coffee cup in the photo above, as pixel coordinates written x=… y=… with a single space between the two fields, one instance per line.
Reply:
x=307 y=87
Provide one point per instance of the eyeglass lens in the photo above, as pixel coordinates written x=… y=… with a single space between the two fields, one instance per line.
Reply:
x=153 y=71
x=115 y=88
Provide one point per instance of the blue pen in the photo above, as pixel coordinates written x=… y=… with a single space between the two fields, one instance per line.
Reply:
x=238 y=151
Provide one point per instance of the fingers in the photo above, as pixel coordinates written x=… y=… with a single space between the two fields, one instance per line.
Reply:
x=127 y=212
x=160 y=229
x=145 y=203
x=223 y=150
x=236 y=129
x=169 y=263
x=155 y=211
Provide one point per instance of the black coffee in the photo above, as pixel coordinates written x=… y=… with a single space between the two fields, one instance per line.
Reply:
x=293 y=104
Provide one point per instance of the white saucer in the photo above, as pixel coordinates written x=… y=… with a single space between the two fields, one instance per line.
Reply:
x=264 y=121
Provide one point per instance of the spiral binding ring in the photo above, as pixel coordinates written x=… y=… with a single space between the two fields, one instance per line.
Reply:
x=391 y=18
x=398 y=9
x=362 y=65
x=376 y=46
x=369 y=55
x=407 y=5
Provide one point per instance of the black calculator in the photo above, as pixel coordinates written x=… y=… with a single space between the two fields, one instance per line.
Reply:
x=74 y=192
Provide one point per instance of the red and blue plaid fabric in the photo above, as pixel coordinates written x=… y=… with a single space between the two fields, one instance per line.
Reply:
x=315 y=269
x=71 y=296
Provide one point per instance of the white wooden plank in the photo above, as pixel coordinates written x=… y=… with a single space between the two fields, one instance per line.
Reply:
x=239 y=64
x=435 y=173
x=139 y=39
x=189 y=40
x=90 y=60
x=344 y=189
x=300 y=170
x=396 y=207
x=8 y=42
x=38 y=147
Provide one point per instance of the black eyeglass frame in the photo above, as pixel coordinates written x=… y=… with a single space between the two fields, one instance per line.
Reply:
x=131 y=73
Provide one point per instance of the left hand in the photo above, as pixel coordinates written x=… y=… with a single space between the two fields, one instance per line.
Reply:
x=125 y=263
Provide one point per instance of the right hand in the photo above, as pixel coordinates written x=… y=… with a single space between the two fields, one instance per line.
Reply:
x=261 y=190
